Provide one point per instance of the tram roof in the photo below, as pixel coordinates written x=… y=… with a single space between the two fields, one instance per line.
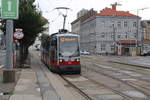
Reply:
x=64 y=34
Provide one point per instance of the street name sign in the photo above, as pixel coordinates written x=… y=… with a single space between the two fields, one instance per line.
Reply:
x=9 y=9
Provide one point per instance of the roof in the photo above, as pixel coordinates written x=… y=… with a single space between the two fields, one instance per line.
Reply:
x=113 y=12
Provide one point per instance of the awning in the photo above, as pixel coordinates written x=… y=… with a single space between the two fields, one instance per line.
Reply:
x=127 y=41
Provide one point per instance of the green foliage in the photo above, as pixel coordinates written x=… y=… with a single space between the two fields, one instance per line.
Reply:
x=44 y=40
x=31 y=21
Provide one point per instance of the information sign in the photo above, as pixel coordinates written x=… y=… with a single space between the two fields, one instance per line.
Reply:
x=9 y=9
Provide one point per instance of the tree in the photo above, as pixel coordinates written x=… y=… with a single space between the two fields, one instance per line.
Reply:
x=31 y=21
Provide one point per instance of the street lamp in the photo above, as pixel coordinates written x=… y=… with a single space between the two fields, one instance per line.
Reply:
x=137 y=26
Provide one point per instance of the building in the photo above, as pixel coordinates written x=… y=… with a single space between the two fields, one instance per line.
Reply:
x=81 y=16
x=146 y=35
x=110 y=31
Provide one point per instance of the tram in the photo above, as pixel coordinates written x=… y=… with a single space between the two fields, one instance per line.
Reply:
x=61 y=52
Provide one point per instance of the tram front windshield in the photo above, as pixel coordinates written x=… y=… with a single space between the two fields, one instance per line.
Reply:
x=68 y=46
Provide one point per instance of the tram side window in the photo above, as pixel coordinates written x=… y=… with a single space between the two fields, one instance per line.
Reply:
x=54 y=49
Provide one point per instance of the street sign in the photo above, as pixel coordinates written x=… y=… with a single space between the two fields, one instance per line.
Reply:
x=18 y=34
x=9 y=9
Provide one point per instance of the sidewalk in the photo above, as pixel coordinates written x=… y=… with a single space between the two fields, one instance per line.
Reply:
x=33 y=84
x=27 y=87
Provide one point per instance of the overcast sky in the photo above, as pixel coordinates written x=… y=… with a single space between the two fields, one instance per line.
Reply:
x=56 y=21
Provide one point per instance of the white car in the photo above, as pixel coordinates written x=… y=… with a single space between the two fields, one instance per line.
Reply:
x=84 y=52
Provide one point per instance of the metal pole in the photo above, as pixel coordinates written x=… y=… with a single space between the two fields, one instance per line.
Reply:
x=137 y=31
x=114 y=38
x=9 y=44
x=64 y=21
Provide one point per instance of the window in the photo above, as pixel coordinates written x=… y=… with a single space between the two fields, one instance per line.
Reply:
x=126 y=36
x=112 y=36
x=134 y=24
x=103 y=35
x=119 y=36
x=103 y=22
x=112 y=48
x=119 y=24
x=125 y=24
x=135 y=35
x=103 y=47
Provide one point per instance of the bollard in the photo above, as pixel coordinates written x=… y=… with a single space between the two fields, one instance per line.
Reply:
x=9 y=76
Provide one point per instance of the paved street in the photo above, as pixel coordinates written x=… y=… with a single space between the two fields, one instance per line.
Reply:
x=100 y=80
x=127 y=81
x=138 y=60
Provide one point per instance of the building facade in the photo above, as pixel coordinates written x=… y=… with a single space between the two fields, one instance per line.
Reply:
x=146 y=35
x=110 y=31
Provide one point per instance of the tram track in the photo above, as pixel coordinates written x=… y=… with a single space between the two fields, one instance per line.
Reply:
x=144 y=81
x=101 y=72
x=141 y=84
x=89 y=97
x=76 y=88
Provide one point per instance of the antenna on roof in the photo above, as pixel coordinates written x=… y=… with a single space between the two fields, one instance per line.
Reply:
x=114 y=5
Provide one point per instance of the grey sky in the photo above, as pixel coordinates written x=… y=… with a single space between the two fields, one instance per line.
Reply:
x=47 y=7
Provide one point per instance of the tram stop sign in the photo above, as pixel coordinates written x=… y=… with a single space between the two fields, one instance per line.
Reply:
x=18 y=34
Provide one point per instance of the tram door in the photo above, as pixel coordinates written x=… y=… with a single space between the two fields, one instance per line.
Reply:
x=53 y=51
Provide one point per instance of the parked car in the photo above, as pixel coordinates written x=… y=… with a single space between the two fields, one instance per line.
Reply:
x=84 y=52
x=146 y=53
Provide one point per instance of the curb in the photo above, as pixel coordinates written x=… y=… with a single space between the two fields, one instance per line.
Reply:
x=146 y=67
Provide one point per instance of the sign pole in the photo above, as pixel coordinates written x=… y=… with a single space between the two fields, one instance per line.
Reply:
x=9 y=73
x=9 y=11
x=9 y=44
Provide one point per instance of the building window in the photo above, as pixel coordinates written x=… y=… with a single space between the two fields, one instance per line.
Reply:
x=112 y=48
x=125 y=24
x=103 y=23
x=119 y=24
x=135 y=35
x=112 y=36
x=103 y=35
x=126 y=36
x=134 y=24
x=103 y=47
x=119 y=36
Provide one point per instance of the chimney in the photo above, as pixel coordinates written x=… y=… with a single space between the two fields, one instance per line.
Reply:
x=114 y=7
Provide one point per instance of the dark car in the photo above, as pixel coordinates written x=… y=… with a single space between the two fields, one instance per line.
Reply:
x=145 y=53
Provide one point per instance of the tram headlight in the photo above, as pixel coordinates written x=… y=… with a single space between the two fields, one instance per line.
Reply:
x=78 y=59
x=60 y=60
